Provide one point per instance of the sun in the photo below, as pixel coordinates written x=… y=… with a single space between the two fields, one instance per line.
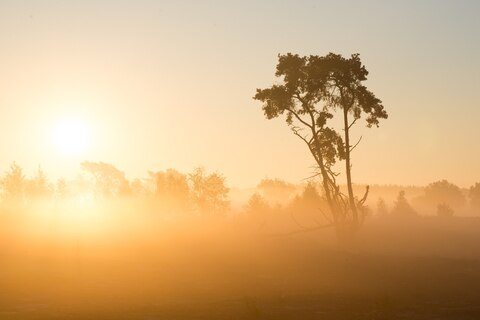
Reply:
x=71 y=136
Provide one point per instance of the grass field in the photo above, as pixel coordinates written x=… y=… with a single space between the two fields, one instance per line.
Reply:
x=422 y=268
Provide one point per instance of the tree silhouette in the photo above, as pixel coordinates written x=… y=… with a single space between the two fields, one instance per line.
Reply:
x=275 y=190
x=444 y=210
x=402 y=208
x=382 y=209
x=344 y=90
x=308 y=201
x=258 y=210
x=474 y=195
x=313 y=89
x=38 y=186
x=209 y=192
x=444 y=192
x=13 y=183
x=307 y=205
x=109 y=181
x=171 y=187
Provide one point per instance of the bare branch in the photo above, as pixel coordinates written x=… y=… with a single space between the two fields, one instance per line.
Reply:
x=356 y=144
x=362 y=201
x=299 y=118
x=353 y=122
x=315 y=175
x=295 y=132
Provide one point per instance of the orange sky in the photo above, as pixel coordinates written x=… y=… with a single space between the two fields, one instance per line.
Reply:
x=170 y=84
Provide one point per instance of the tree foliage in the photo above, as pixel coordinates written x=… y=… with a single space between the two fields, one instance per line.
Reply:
x=258 y=210
x=402 y=207
x=444 y=192
x=209 y=192
x=171 y=188
x=382 y=209
x=275 y=190
x=474 y=195
x=38 y=187
x=444 y=210
x=109 y=181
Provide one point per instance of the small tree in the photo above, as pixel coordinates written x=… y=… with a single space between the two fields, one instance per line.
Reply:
x=209 y=192
x=308 y=209
x=257 y=205
x=402 y=208
x=444 y=210
x=38 y=186
x=382 y=209
x=258 y=210
x=308 y=202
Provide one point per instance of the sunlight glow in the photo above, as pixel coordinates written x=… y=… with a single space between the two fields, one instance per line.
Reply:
x=71 y=137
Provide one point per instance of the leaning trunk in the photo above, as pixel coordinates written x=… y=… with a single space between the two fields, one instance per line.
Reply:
x=325 y=178
x=326 y=187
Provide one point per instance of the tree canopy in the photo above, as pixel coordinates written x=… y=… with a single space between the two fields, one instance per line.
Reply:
x=444 y=192
x=474 y=195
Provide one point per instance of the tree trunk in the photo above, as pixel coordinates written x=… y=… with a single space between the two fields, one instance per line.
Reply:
x=348 y=168
x=326 y=187
x=325 y=178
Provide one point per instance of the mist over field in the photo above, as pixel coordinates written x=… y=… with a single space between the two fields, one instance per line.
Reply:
x=165 y=248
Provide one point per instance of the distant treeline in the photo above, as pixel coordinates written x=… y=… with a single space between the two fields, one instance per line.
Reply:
x=197 y=191
x=207 y=193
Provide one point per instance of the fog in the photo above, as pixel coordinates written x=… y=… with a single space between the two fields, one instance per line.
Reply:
x=262 y=256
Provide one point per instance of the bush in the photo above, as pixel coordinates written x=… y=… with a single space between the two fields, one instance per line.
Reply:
x=444 y=210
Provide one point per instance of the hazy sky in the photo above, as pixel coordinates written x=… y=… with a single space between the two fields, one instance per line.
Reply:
x=170 y=83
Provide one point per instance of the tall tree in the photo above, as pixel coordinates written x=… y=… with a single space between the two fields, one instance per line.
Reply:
x=313 y=89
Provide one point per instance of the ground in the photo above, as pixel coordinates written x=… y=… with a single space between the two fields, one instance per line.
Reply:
x=424 y=268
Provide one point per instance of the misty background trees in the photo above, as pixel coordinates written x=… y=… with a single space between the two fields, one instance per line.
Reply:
x=207 y=194
x=173 y=192
x=474 y=195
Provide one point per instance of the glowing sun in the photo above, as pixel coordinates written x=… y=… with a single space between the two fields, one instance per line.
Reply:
x=71 y=136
